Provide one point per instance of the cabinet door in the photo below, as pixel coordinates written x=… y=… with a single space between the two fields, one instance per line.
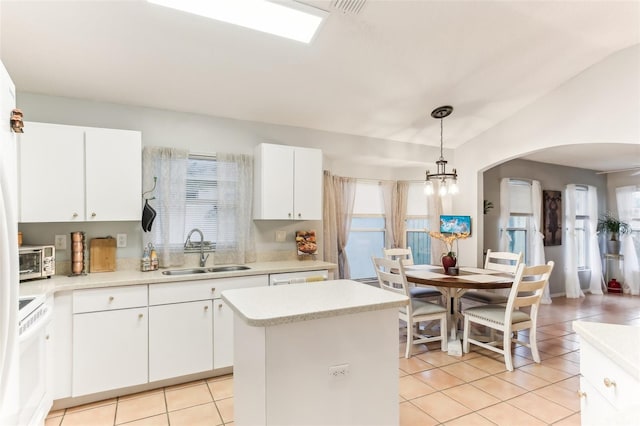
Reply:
x=110 y=350
x=223 y=334
x=113 y=174
x=307 y=184
x=180 y=339
x=51 y=173
x=273 y=182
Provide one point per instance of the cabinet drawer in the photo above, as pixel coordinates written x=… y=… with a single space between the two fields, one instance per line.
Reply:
x=184 y=291
x=598 y=370
x=105 y=299
x=223 y=284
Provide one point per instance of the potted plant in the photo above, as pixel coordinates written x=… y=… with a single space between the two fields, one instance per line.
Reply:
x=614 y=226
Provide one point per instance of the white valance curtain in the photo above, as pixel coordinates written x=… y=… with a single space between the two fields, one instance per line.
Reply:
x=572 y=283
x=624 y=198
x=235 y=209
x=596 y=282
x=169 y=166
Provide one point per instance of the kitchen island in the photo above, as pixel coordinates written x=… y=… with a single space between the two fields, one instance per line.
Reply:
x=610 y=373
x=315 y=354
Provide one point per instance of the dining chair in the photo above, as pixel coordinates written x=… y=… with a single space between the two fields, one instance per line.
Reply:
x=417 y=311
x=507 y=320
x=405 y=255
x=501 y=261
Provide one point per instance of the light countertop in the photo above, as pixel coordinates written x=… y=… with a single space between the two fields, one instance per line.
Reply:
x=620 y=343
x=269 y=306
x=60 y=283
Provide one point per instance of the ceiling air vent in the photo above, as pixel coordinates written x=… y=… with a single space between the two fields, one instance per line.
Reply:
x=348 y=6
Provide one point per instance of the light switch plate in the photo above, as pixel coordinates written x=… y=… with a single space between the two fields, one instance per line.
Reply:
x=61 y=242
x=122 y=240
x=281 y=236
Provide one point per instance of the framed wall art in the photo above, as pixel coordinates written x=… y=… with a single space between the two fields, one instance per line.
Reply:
x=552 y=217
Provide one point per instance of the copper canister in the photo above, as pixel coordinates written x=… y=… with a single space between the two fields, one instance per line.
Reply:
x=77 y=253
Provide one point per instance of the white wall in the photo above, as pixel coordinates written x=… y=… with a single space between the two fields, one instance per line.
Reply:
x=600 y=105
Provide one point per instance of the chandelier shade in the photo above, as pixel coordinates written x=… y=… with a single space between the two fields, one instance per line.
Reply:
x=448 y=182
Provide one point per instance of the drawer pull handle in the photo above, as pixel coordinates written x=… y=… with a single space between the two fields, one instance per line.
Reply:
x=140 y=316
x=93 y=215
x=111 y=299
x=582 y=394
x=219 y=305
x=206 y=308
x=608 y=382
x=213 y=289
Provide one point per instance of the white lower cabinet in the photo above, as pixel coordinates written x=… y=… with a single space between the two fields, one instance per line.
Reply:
x=109 y=350
x=180 y=339
x=222 y=334
x=110 y=339
x=116 y=337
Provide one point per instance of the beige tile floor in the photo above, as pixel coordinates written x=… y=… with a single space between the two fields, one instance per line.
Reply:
x=435 y=388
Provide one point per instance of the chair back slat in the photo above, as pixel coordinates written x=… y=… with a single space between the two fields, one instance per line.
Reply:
x=404 y=254
x=503 y=261
x=528 y=285
x=391 y=275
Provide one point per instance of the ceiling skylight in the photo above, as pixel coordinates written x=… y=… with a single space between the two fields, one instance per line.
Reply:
x=288 y=19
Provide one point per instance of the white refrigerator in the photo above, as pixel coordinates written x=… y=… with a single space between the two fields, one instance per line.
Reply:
x=9 y=352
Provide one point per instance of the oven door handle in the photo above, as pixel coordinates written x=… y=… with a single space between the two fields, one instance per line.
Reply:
x=26 y=271
x=41 y=323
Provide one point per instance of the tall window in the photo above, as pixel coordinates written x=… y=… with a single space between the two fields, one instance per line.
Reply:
x=367 y=235
x=519 y=226
x=417 y=224
x=203 y=204
x=582 y=226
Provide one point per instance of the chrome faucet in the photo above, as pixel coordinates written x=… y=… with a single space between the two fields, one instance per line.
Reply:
x=203 y=258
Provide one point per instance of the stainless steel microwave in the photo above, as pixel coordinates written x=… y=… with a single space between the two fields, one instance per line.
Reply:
x=37 y=262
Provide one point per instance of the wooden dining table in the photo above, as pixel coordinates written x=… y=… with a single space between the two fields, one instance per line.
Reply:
x=454 y=286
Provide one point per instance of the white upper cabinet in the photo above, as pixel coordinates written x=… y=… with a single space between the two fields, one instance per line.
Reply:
x=113 y=174
x=71 y=173
x=288 y=183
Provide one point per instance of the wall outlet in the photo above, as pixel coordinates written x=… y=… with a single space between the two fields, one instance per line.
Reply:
x=281 y=236
x=61 y=242
x=122 y=240
x=339 y=371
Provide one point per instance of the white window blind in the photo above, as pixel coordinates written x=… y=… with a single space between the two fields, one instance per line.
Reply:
x=203 y=203
x=520 y=197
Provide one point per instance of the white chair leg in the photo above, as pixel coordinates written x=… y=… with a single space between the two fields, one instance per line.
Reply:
x=409 y=340
x=443 y=333
x=465 y=335
x=533 y=344
x=506 y=343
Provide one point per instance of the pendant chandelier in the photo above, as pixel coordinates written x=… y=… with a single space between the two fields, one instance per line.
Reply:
x=448 y=181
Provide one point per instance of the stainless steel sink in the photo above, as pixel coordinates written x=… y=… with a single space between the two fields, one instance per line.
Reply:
x=228 y=268
x=185 y=271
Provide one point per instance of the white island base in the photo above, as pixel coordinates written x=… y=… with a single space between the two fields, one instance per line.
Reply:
x=315 y=354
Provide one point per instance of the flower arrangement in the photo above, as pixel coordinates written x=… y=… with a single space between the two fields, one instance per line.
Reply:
x=449 y=239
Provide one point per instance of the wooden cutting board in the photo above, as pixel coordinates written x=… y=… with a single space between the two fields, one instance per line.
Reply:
x=102 y=255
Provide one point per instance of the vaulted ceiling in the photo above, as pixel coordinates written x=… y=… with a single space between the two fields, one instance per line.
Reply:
x=376 y=73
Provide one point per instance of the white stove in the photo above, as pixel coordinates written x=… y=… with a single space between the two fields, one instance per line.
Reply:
x=30 y=310
x=34 y=315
